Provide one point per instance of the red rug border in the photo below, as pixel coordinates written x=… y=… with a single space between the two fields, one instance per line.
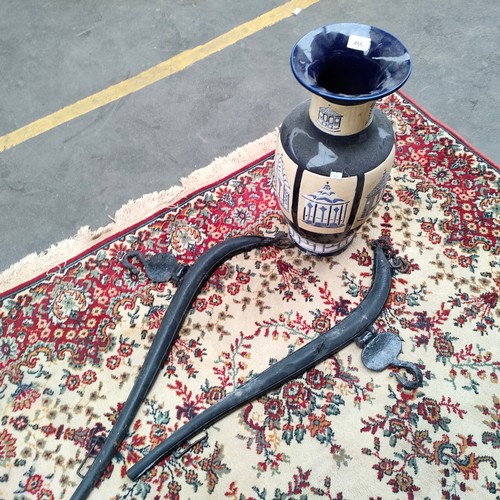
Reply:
x=449 y=129
x=17 y=288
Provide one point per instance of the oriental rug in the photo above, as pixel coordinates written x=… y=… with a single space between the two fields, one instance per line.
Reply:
x=73 y=339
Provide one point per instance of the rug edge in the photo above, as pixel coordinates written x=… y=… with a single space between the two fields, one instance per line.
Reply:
x=450 y=130
x=37 y=264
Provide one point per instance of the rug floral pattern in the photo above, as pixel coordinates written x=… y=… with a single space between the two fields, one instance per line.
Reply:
x=72 y=343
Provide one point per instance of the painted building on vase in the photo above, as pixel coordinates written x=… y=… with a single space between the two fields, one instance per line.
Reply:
x=324 y=208
x=281 y=184
x=374 y=196
x=329 y=118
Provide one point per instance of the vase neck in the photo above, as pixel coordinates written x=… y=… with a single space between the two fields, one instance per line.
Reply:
x=337 y=119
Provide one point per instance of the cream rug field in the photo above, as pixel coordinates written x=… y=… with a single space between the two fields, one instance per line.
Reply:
x=75 y=326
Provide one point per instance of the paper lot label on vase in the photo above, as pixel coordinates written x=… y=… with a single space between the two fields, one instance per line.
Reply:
x=327 y=204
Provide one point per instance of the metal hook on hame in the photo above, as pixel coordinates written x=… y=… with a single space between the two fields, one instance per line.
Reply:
x=381 y=351
x=126 y=261
x=94 y=446
x=413 y=369
x=158 y=267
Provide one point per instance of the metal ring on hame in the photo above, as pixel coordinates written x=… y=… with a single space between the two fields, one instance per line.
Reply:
x=190 y=445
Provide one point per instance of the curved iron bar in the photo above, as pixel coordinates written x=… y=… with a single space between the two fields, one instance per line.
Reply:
x=191 y=284
x=293 y=365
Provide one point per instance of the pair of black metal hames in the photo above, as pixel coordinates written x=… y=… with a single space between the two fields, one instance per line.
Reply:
x=380 y=350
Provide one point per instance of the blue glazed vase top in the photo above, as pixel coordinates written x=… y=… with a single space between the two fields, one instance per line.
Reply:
x=350 y=63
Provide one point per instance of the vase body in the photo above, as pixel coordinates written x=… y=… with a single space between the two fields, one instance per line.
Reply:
x=335 y=151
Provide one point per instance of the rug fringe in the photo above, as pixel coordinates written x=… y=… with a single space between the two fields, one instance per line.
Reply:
x=134 y=211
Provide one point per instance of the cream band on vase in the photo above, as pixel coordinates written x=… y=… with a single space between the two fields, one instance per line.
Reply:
x=336 y=119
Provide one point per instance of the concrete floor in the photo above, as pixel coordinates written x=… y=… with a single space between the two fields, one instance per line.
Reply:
x=54 y=53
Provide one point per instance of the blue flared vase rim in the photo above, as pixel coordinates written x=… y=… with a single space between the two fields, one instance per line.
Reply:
x=385 y=50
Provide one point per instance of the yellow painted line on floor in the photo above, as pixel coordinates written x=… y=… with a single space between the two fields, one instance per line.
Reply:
x=152 y=75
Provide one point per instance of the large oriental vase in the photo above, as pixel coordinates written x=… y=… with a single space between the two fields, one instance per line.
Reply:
x=335 y=151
